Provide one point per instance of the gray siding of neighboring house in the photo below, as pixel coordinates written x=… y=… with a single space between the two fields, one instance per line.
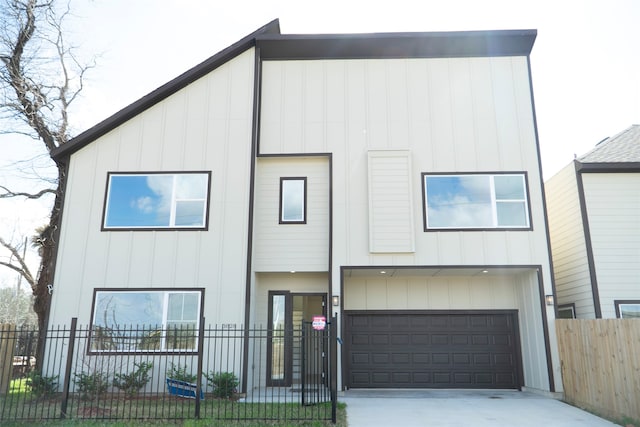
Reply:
x=568 y=245
x=613 y=207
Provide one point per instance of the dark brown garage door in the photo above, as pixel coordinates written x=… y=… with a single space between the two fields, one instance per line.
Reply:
x=478 y=349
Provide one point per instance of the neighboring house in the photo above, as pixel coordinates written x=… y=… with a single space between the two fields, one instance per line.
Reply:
x=594 y=224
x=391 y=179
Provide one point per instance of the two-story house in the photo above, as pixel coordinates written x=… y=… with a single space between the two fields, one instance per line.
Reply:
x=393 y=180
x=594 y=223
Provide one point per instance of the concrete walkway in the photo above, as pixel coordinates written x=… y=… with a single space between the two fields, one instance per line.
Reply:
x=435 y=408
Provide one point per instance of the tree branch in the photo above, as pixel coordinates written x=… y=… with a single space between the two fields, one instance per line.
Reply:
x=22 y=267
x=7 y=194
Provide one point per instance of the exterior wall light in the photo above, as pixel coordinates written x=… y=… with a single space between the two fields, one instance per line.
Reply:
x=549 y=299
x=335 y=300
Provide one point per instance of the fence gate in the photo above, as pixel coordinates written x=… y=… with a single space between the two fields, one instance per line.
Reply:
x=315 y=378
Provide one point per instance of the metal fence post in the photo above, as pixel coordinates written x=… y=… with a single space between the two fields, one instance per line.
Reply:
x=67 y=372
x=200 y=356
x=333 y=363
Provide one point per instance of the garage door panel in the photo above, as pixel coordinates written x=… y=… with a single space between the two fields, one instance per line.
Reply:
x=422 y=378
x=482 y=359
x=406 y=351
x=462 y=359
x=379 y=339
x=401 y=377
x=400 y=358
x=438 y=339
x=480 y=339
x=400 y=339
x=421 y=358
x=419 y=339
x=442 y=378
x=380 y=358
x=359 y=339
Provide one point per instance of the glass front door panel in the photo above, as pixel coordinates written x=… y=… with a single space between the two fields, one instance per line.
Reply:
x=290 y=320
x=278 y=303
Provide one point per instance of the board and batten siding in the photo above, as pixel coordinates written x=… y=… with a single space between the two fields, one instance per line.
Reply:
x=429 y=293
x=532 y=336
x=391 y=225
x=204 y=127
x=291 y=247
x=452 y=114
x=568 y=245
x=613 y=207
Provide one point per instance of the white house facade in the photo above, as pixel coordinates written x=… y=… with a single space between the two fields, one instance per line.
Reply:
x=594 y=225
x=391 y=180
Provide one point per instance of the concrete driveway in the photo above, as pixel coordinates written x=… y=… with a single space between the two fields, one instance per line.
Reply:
x=434 y=408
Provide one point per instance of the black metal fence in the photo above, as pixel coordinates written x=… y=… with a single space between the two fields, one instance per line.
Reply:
x=221 y=372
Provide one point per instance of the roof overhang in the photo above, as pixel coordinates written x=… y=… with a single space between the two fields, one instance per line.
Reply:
x=607 y=167
x=397 y=45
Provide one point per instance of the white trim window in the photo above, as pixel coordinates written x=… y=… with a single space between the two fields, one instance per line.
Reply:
x=156 y=201
x=627 y=309
x=145 y=320
x=476 y=201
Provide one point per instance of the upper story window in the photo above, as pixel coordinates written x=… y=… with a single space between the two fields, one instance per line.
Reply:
x=627 y=309
x=145 y=320
x=476 y=201
x=293 y=200
x=156 y=200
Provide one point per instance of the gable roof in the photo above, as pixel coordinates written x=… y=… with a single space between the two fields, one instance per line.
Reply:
x=275 y=46
x=620 y=152
x=163 y=91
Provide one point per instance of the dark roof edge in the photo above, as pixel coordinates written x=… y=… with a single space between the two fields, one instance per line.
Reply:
x=164 y=91
x=385 y=45
x=611 y=167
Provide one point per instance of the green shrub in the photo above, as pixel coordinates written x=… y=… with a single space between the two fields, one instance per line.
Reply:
x=40 y=385
x=132 y=382
x=180 y=373
x=224 y=384
x=91 y=385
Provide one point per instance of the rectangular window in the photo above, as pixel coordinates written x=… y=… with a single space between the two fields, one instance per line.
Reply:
x=145 y=320
x=627 y=309
x=476 y=201
x=567 y=311
x=293 y=200
x=156 y=201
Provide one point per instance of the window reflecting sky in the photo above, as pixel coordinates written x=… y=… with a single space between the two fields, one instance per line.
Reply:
x=149 y=200
x=460 y=201
x=139 y=200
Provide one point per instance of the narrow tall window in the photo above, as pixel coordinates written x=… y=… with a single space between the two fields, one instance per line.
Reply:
x=156 y=201
x=293 y=200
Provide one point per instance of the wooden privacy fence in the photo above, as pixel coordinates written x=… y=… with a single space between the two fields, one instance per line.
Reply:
x=7 y=343
x=600 y=361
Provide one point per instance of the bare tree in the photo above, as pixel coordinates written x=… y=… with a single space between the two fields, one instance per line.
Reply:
x=40 y=77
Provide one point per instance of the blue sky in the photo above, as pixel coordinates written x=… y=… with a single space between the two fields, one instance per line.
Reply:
x=585 y=62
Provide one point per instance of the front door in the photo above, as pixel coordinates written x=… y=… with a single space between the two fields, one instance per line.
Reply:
x=290 y=343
